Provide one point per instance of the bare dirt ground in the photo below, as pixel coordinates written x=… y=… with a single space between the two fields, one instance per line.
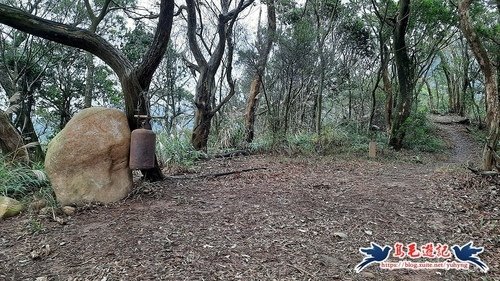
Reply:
x=301 y=218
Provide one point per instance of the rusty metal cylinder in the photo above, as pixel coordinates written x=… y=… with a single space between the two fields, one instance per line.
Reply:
x=142 y=149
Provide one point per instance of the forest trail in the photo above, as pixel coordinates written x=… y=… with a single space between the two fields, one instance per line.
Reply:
x=300 y=218
x=463 y=148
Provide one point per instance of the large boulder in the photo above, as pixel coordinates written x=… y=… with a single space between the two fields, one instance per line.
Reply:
x=88 y=160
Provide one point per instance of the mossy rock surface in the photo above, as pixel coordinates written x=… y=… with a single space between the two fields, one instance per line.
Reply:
x=9 y=207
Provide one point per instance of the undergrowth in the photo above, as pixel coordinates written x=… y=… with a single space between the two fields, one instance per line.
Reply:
x=176 y=149
x=421 y=134
x=18 y=181
x=345 y=138
x=348 y=138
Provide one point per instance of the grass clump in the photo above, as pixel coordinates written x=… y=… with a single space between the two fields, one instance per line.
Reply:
x=176 y=149
x=35 y=226
x=18 y=181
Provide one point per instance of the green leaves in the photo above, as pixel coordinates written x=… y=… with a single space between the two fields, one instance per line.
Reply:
x=138 y=41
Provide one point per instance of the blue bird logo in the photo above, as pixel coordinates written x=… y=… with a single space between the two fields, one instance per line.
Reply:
x=373 y=254
x=468 y=253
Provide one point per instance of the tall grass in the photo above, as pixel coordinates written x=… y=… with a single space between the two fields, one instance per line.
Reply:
x=176 y=149
x=18 y=181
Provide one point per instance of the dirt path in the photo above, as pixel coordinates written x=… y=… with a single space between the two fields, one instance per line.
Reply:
x=302 y=218
x=463 y=148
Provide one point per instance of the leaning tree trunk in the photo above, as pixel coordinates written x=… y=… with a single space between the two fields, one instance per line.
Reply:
x=22 y=100
x=11 y=142
x=490 y=78
x=255 y=86
x=136 y=104
x=405 y=77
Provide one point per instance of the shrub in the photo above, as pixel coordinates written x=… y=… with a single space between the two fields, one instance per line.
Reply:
x=421 y=134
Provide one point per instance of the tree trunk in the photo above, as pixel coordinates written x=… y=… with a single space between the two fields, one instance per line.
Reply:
x=205 y=86
x=389 y=100
x=256 y=84
x=463 y=91
x=22 y=87
x=405 y=77
x=252 y=103
x=201 y=131
x=11 y=142
x=89 y=81
x=203 y=115
x=386 y=81
x=287 y=103
x=490 y=77
x=432 y=107
x=28 y=129
x=449 y=87
x=95 y=20
x=319 y=95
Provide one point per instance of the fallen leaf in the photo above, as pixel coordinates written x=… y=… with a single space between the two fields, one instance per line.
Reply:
x=340 y=234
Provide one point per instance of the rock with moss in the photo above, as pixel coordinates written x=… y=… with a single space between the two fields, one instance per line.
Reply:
x=88 y=160
x=9 y=207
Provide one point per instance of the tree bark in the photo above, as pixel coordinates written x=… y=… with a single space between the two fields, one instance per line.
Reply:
x=88 y=93
x=203 y=116
x=489 y=72
x=205 y=86
x=22 y=87
x=252 y=103
x=134 y=81
x=256 y=84
x=432 y=107
x=11 y=142
x=389 y=98
x=405 y=76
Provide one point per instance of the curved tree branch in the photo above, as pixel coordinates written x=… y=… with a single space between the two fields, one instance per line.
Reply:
x=153 y=56
x=67 y=35
x=193 y=44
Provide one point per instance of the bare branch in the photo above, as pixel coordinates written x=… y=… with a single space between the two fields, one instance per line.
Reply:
x=193 y=44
